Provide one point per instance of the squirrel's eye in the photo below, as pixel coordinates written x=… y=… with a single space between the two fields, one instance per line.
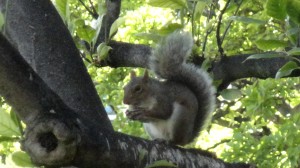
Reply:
x=138 y=89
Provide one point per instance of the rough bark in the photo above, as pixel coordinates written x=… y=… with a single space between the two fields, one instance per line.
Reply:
x=227 y=70
x=36 y=30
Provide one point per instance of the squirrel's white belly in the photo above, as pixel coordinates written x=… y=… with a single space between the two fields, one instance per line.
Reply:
x=163 y=129
x=159 y=130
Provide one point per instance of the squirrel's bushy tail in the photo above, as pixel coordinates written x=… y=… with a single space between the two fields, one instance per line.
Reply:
x=169 y=62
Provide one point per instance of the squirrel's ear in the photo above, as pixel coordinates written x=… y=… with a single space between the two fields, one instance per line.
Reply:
x=132 y=74
x=146 y=75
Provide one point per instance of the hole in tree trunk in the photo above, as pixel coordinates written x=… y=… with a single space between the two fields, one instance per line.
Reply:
x=48 y=141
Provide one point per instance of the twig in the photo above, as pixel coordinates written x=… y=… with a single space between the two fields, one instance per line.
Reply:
x=208 y=31
x=219 y=143
x=94 y=9
x=228 y=26
x=219 y=42
x=193 y=19
x=94 y=15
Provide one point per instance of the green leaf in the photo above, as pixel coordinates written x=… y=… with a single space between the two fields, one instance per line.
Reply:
x=169 y=28
x=231 y=94
x=102 y=51
x=161 y=163
x=62 y=7
x=293 y=31
x=173 y=4
x=14 y=117
x=270 y=44
x=294 y=51
x=246 y=20
x=86 y=33
x=2 y=21
x=265 y=55
x=287 y=69
x=114 y=27
x=8 y=127
x=142 y=154
x=22 y=159
x=200 y=6
x=98 y=28
x=293 y=10
x=148 y=36
x=276 y=9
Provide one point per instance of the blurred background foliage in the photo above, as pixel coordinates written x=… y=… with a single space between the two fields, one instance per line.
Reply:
x=256 y=121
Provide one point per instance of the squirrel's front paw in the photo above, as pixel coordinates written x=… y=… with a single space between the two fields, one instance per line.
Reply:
x=137 y=114
x=133 y=114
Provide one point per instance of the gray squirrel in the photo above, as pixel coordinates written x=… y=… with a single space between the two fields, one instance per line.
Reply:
x=176 y=108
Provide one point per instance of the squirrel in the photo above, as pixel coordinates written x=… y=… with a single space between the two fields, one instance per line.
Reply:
x=177 y=107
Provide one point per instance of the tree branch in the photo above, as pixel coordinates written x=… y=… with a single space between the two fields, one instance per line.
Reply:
x=229 y=24
x=23 y=88
x=235 y=67
x=219 y=143
x=92 y=12
x=128 y=55
x=219 y=42
x=48 y=47
x=227 y=70
x=208 y=31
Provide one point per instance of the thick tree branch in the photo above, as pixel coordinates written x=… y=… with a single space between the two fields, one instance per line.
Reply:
x=227 y=70
x=19 y=85
x=108 y=149
x=37 y=31
x=128 y=55
x=235 y=67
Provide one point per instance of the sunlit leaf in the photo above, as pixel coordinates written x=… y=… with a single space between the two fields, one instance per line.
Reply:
x=21 y=159
x=2 y=20
x=114 y=27
x=276 y=8
x=173 y=4
x=169 y=28
x=86 y=33
x=148 y=36
x=287 y=69
x=270 y=44
x=265 y=55
x=62 y=7
x=246 y=20
x=102 y=51
x=231 y=94
x=292 y=31
x=14 y=117
x=293 y=10
x=101 y=10
x=200 y=6
x=8 y=127
x=98 y=28
x=161 y=163
x=206 y=64
x=294 y=51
